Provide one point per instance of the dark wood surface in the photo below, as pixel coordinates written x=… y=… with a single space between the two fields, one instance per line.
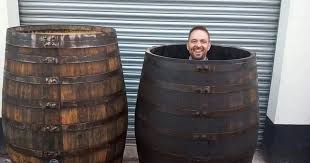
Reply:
x=197 y=111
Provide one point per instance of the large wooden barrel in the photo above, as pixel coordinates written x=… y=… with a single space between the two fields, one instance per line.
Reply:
x=197 y=111
x=64 y=98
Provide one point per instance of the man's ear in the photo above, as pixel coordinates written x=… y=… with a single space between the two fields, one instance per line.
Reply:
x=187 y=47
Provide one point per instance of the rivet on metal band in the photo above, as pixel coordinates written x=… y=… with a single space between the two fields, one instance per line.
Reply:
x=205 y=68
x=52 y=80
x=50 y=154
x=50 y=105
x=199 y=160
x=53 y=161
x=50 y=60
x=203 y=90
x=50 y=129
x=49 y=41
x=198 y=113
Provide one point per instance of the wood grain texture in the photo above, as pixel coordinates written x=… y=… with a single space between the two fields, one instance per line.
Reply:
x=64 y=96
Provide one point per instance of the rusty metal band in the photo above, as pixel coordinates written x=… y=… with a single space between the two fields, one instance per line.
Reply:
x=64 y=128
x=39 y=36
x=196 y=136
x=60 y=59
x=200 y=159
x=108 y=49
x=27 y=32
x=57 y=41
x=207 y=67
x=81 y=151
x=210 y=89
x=196 y=113
x=45 y=104
x=233 y=78
x=62 y=80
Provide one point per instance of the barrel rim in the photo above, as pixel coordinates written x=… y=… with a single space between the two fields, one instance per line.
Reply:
x=26 y=29
x=60 y=36
x=181 y=60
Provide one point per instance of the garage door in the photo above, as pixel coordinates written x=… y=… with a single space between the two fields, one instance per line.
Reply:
x=141 y=24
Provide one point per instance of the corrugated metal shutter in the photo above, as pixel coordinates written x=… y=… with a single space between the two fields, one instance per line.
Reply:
x=140 y=24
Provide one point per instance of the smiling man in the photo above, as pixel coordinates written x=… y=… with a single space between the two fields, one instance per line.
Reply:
x=198 y=43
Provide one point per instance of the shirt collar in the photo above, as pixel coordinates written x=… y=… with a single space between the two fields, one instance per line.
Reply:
x=204 y=59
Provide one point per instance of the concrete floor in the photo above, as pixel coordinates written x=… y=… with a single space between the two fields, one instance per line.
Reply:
x=131 y=156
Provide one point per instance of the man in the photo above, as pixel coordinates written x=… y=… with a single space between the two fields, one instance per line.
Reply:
x=198 y=43
x=198 y=47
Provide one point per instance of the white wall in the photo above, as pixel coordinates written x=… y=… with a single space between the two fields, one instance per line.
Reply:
x=289 y=101
x=9 y=16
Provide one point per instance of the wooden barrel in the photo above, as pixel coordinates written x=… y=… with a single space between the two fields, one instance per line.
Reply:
x=197 y=111
x=64 y=98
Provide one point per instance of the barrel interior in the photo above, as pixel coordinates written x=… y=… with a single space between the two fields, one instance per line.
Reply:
x=223 y=53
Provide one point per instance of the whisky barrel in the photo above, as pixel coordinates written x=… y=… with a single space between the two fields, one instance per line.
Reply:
x=191 y=111
x=64 y=98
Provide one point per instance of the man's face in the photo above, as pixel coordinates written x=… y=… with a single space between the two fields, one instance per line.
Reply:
x=198 y=44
